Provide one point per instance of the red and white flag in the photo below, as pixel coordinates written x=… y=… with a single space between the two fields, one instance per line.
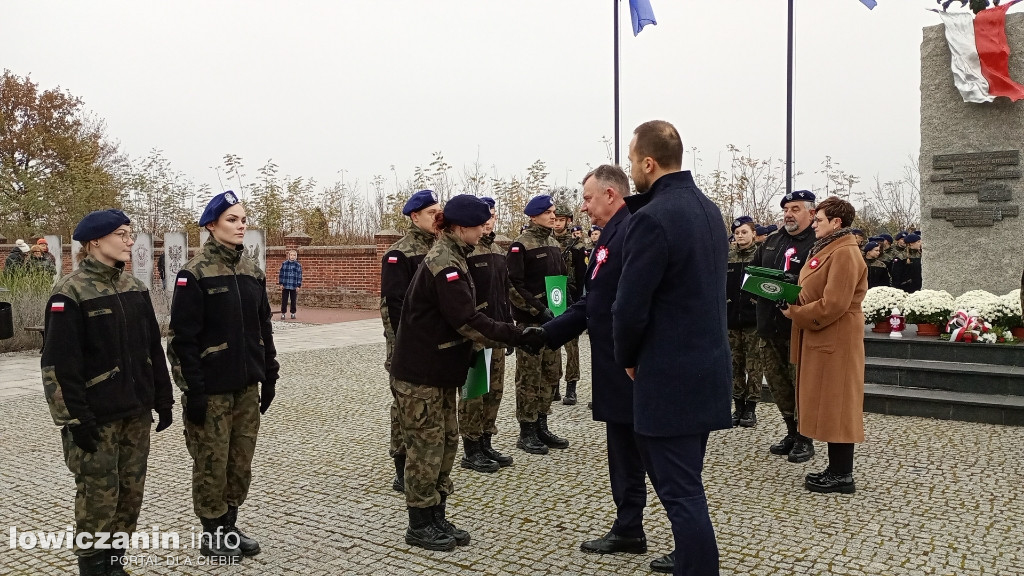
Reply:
x=392 y=259
x=452 y=276
x=981 y=54
x=182 y=281
x=57 y=307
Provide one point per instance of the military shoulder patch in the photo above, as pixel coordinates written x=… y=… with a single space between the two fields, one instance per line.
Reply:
x=57 y=307
x=392 y=259
x=182 y=281
x=452 y=276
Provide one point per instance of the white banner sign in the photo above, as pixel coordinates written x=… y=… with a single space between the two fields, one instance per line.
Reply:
x=174 y=257
x=256 y=247
x=142 y=259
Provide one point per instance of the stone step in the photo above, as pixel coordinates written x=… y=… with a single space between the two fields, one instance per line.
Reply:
x=944 y=404
x=953 y=376
x=913 y=348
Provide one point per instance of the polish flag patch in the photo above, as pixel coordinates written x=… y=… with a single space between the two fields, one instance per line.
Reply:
x=57 y=307
x=515 y=249
x=392 y=259
x=452 y=276
x=182 y=281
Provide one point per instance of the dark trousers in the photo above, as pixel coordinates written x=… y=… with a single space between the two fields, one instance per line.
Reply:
x=675 y=464
x=628 y=479
x=285 y=294
x=840 y=457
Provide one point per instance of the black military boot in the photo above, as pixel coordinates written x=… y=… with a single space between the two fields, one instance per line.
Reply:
x=665 y=564
x=528 y=440
x=546 y=436
x=214 y=540
x=803 y=449
x=114 y=566
x=501 y=459
x=785 y=446
x=474 y=458
x=461 y=537
x=424 y=533
x=248 y=546
x=558 y=392
x=95 y=565
x=738 y=412
x=398 y=484
x=749 y=417
x=570 y=394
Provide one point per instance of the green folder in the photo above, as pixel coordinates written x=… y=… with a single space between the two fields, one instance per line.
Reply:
x=556 y=289
x=478 y=381
x=771 y=288
x=772 y=273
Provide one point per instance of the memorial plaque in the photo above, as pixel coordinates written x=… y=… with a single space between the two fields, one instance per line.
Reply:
x=175 y=256
x=973 y=172
x=142 y=259
x=975 y=216
x=56 y=250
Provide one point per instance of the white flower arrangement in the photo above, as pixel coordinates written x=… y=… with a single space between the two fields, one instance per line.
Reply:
x=879 y=302
x=928 y=307
x=1010 y=304
x=984 y=303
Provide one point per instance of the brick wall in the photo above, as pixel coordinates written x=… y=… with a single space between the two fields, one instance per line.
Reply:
x=332 y=276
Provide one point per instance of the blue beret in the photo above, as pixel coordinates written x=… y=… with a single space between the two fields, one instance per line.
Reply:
x=577 y=228
x=911 y=238
x=857 y=231
x=874 y=239
x=596 y=227
x=98 y=224
x=870 y=246
x=489 y=201
x=886 y=237
x=761 y=230
x=538 y=205
x=771 y=228
x=419 y=201
x=741 y=221
x=466 y=210
x=217 y=205
x=902 y=234
x=918 y=232
x=798 y=196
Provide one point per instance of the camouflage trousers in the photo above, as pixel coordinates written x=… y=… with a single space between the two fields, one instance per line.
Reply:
x=478 y=416
x=397 y=446
x=222 y=450
x=536 y=378
x=781 y=375
x=747 y=375
x=572 y=361
x=111 y=480
x=428 y=416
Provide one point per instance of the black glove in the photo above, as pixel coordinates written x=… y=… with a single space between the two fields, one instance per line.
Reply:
x=85 y=436
x=166 y=417
x=267 y=394
x=533 y=339
x=546 y=315
x=195 y=408
x=781 y=304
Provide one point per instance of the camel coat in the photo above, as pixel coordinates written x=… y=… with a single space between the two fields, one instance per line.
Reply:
x=828 y=343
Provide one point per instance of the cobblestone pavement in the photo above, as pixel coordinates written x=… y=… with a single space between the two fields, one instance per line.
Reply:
x=933 y=497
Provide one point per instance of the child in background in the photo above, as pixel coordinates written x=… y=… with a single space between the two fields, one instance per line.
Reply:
x=290 y=279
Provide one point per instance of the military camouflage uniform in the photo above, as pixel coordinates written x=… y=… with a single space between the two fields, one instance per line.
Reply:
x=478 y=416
x=221 y=346
x=397 y=268
x=440 y=329
x=576 y=266
x=531 y=257
x=103 y=365
x=747 y=374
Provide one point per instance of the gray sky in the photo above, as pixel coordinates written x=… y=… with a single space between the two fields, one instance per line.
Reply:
x=321 y=86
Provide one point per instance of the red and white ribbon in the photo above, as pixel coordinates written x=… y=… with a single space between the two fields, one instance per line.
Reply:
x=789 y=254
x=602 y=257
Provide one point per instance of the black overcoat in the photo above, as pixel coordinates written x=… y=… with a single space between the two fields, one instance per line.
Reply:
x=669 y=317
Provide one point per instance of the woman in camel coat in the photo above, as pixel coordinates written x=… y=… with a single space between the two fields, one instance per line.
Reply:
x=828 y=344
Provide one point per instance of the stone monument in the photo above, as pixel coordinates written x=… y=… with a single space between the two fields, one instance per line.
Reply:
x=971 y=185
x=142 y=259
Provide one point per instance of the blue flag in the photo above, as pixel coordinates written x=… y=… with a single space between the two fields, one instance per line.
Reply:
x=641 y=13
x=869 y=3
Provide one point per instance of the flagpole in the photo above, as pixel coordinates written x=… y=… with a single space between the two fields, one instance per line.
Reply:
x=789 y=102
x=615 y=44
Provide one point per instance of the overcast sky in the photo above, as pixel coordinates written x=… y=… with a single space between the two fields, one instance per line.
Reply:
x=323 y=86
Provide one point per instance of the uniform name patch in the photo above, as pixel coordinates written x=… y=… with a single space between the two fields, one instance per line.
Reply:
x=392 y=259
x=57 y=307
x=452 y=276
x=182 y=281
x=515 y=249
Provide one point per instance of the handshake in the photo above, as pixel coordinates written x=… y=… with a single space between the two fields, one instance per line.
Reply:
x=532 y=339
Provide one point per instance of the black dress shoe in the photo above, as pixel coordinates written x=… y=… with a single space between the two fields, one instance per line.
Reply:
x=814 y=476
x=665 y=564
x=612 y=543
x=832 y=482
x=784 y=446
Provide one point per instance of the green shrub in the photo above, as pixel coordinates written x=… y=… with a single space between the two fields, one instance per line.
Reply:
x=27 y=292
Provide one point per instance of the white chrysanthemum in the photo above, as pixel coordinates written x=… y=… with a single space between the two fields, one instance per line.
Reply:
x=879 y=302
x=928 y=307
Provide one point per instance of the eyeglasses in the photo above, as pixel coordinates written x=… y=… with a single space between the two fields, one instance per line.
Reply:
x=126 y=236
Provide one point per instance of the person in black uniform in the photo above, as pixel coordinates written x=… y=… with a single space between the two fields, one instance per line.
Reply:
x=906 y=269
x=878 y=274
x=786 y=250
x=438 y=330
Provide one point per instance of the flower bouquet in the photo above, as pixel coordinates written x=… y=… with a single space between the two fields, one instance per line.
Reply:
x=1010 y=311
x=928 y=307
x=879 y=302
x=969 y=326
